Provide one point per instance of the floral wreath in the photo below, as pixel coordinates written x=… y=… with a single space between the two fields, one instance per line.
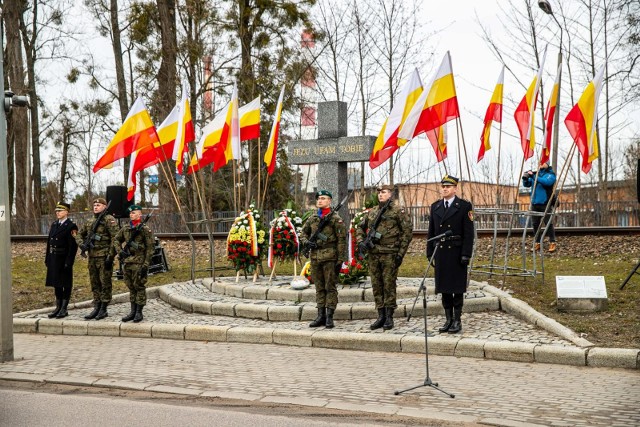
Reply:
x=284 y=243
x=356 y=269
x=246 y=243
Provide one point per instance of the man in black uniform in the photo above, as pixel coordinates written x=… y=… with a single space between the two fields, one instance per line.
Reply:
x=454 y=252
x=61 y=253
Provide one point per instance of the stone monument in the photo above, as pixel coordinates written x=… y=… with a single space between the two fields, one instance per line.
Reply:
x=332 y=151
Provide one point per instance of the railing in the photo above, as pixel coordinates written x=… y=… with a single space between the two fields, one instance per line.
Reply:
x=591 y=214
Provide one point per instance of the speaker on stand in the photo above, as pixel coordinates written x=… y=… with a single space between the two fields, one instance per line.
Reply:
x=117 y=195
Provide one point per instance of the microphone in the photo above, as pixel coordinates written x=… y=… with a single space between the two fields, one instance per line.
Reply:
x=440 y=236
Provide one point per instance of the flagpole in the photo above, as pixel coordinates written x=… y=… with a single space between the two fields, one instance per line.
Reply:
x=266 y=184
x=259 y=201
x=466 y=155
x=498 y=198
x=235 y=200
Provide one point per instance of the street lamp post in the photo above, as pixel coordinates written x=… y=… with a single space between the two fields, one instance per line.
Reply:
x=6 y=311
x=546 y=8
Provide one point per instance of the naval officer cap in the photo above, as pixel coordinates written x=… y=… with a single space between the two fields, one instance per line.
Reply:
x=449 y=180
x=61 y=206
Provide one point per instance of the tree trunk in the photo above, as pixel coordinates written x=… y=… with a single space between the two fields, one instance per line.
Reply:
x=17 y=121
x=36 y=174
x=165 y=98
x=122 y=84
x=63 y=164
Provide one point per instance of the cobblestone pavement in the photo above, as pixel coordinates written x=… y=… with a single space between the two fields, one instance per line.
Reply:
x=495 y=326
x=487 y=391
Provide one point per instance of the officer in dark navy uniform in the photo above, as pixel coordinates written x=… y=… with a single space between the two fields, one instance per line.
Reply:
x=454 y=214
x=61 y=253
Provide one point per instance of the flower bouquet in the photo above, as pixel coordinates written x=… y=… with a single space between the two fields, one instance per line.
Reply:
x=246 y=243
x=306 y=272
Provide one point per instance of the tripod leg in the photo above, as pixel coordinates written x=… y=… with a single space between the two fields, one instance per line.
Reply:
x=634 y=271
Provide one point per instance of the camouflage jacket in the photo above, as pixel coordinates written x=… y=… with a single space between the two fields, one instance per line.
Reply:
x=395 y=230
x=332 y=241
x=103 y=239
x=141 y=248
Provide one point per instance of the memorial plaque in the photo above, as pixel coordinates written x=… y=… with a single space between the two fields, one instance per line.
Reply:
x=581 y=293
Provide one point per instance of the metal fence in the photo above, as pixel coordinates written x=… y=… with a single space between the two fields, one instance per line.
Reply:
x=590 y=214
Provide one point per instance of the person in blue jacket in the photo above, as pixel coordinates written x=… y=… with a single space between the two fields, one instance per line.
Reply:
x=539 y=198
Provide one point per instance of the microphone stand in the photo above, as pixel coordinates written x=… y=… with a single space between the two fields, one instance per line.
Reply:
x=427 y=381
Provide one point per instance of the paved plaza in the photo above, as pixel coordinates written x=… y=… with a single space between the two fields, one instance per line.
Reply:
x=510 y=366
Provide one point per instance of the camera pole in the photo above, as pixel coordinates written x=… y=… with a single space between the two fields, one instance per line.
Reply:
x=6 y=314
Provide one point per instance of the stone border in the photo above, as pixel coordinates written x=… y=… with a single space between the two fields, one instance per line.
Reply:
x=524 y=311
x=323 y=338
x=305 y=311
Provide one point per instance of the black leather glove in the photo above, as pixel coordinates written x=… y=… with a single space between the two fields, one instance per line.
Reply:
x=398 y=260
x=123 y=255
x=144 y=271
x=312 y=245
x=108 y=263
x=338 y=267
x=464 y=260
x=362 y=248
x=83 y=247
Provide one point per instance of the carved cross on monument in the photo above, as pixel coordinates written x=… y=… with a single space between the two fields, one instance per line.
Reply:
x=332 y=151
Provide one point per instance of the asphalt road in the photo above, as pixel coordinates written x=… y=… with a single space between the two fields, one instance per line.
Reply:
x=31 y=405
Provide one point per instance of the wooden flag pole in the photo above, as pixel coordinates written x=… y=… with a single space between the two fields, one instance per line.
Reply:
x=259 y=201
x=498 y=198
x=273 y=270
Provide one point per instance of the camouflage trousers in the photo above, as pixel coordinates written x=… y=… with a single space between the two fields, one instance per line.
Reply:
x=100 y=278
x=325 y=278
x=383 y=272
x=137 y=285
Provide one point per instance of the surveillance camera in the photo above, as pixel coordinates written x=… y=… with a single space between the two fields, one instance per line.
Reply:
x=545 y=6
x=19 y=101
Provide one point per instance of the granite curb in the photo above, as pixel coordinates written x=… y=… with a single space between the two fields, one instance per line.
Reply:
x=323 y=338
x=524 y=311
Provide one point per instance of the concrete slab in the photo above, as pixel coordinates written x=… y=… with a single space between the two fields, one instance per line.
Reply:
x=206 y=333
x=309 y=312
x=174 y=390
x=50 y=326
x=223 y=309
x=430 y=414
x=350 y=295
x=115 y=383
x=232 y=395
x=25 y=326
x=284 y=313
x=252 y=311
x=235 y=290
x=23 y=376
x=299 y=338
x=171 y=332
x=105 y=329
x=512 y=351
x=66 y=379
x=367 y=311
x=308 y=295
x=356 y=341
x=255 y=292
x=614 y=357
x=203 y=307
x=282 y=294
x=219 y=288
x=74 y=327
x=250 y=335
x=304 y=401
x=343 y=312
x=560 y=355
x=136 y=330
x=470 y=347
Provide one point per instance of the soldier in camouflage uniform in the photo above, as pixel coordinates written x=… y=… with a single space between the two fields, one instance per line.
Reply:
x=135 y=257
x=327 y=255
x=101 y=256
x=395 y=233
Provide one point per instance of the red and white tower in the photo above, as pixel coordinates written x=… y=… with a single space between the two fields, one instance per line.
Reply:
x=309 y=98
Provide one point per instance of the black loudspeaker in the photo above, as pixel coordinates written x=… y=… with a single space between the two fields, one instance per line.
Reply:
x=117 y=195
x=638 y=181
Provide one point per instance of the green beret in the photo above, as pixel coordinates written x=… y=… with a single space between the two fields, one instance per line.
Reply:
x=134 y=208
x=324 y=193
x=449 y=180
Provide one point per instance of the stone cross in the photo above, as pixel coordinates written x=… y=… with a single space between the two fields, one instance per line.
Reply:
x=332 y=151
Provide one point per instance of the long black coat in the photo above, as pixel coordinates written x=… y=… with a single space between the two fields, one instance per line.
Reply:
x=61 y=253
x=450 y=274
